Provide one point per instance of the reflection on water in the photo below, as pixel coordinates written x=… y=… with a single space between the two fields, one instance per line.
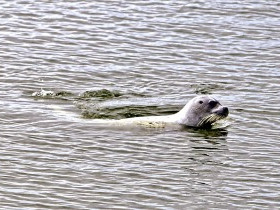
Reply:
x=117 y=59
x=210 y=134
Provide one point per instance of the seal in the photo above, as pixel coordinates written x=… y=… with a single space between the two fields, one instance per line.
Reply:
x=199 y=112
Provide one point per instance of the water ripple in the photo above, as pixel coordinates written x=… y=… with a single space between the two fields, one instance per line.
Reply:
x=158 y=55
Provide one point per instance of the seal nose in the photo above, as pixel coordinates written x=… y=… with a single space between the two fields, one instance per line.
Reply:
x=225 y=111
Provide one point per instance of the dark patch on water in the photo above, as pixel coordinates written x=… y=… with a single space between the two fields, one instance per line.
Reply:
x=209 y=133
x=64 y=94
x=102 y=94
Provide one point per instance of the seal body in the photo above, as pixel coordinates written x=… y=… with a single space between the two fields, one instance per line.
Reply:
x=200 y=112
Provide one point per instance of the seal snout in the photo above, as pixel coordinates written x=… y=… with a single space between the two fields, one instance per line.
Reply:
x=223 y=111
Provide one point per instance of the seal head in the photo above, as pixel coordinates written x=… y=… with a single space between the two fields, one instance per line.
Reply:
x=202 y=112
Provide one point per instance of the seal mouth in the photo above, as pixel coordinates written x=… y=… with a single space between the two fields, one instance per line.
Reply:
x=210 y=119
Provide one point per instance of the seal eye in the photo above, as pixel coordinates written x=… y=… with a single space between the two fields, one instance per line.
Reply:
x=213 y=103
x=201 y=102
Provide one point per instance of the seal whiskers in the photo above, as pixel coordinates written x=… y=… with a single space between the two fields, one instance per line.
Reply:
x=204 y=120
x=210 y=119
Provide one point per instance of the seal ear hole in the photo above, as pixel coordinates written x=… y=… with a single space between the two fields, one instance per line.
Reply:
x=201 y=102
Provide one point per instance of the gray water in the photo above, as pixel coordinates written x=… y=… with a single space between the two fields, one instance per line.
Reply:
x=156 y=55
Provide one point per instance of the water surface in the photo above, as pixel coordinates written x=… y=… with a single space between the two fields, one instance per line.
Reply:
x=156 y=55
